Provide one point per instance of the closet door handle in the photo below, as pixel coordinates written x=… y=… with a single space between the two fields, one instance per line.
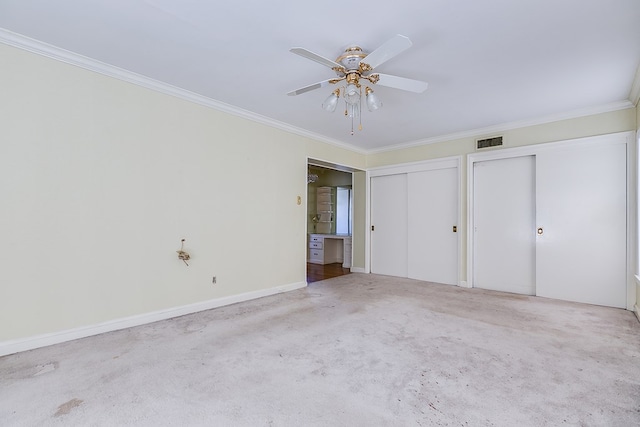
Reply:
x=540 y=231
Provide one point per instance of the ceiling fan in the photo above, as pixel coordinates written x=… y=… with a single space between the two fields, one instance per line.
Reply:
x=355 y=66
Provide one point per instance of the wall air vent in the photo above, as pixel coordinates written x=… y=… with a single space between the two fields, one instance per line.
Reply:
x=495 y=141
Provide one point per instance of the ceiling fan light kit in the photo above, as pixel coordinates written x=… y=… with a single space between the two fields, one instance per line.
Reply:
x=331 y=102
x=373 y=103
x=354 y=66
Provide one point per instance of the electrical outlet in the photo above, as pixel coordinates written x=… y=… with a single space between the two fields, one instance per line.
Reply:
x=214 y=280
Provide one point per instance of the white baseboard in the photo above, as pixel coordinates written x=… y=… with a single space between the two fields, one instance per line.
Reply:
x=636 y=310
x=464 y=284
x=30 y=343
x=357 y=270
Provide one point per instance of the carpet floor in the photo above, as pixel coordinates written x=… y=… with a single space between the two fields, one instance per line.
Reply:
x=356 y=350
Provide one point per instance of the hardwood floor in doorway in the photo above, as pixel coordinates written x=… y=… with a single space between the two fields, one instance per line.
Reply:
x=317 y=272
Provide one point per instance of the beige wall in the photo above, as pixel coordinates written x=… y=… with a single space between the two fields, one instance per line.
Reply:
x=359 y=219
x=100 y=181
x=599 y=124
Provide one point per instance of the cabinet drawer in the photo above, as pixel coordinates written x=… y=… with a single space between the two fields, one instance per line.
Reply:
x=316 y=255
x=315 y=239
x=315 y=245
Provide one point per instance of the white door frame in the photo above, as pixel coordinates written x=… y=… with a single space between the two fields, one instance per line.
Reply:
x=341 y=167
x=627 y=138
x=421 y=166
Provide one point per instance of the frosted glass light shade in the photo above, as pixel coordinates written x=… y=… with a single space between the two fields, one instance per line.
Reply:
x=352 y=94
x=373 y=102
x=330 y=103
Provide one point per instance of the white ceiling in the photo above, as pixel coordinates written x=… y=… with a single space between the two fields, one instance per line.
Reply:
x=489 y=63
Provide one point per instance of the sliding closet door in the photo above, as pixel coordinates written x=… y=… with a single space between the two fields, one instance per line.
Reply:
x=389 y=225
x=581 y=245
x=433 y=212
x=504 y=225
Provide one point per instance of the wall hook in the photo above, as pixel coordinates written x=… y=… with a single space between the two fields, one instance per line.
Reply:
x=182 y=254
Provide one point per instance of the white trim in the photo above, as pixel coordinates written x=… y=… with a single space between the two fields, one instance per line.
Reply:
x=25 y=43
x=35 y=46
x=357 y=270
x=636 y=309
x=340 y=167
x=614 y=138
x=24 y=344
x=367 y=223
x=634 y=94
x=460 y=230
x=419 y=166
x=501 y=128
x=337 y=167
x=470 y=226
x=632 y=222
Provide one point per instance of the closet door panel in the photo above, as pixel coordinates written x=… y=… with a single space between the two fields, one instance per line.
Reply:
x=504 y=225
x=389 y=220
x=581 y=222
x=433 y=212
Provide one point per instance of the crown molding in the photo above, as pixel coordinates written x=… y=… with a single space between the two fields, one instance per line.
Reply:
x=634 y=94
x=35 y=46
x=495 y=129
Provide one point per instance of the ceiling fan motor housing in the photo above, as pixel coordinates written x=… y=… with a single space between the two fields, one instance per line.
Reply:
x=351 y=58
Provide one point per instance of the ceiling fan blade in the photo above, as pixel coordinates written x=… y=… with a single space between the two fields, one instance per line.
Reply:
x=403 y=83
x=309 y=88
x=315 y=57
x=388 y=50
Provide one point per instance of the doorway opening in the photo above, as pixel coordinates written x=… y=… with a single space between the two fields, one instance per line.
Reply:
x=329 y=220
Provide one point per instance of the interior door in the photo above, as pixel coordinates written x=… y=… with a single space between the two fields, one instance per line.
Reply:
x=389 y=225
x=432 y=216
x=581 y=198
x=504 y=225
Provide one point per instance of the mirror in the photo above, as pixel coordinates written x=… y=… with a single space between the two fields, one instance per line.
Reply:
x=338 y=218
x=344 y=209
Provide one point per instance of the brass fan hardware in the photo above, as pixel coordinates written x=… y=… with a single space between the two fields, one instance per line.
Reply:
x=354 y=67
